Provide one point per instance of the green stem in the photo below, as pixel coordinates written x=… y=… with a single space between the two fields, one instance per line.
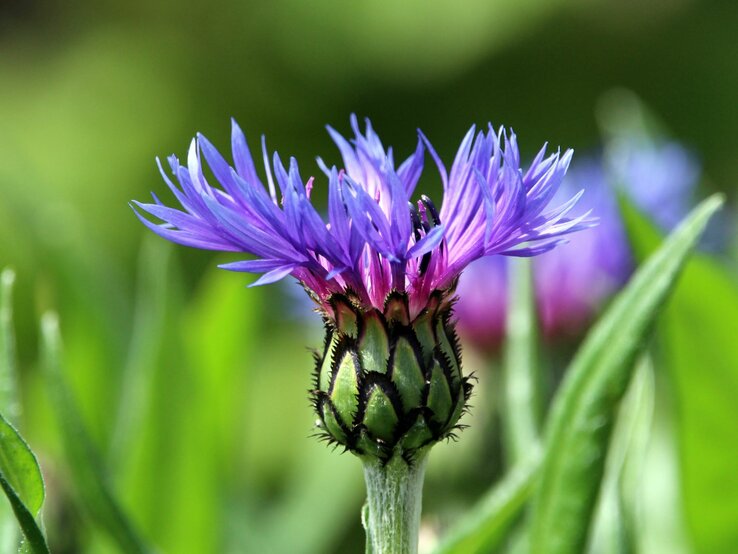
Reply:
x=394 y=498
x=521 y=378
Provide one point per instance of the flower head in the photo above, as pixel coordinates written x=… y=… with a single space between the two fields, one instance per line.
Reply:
x=382 y=267
x=374 y=239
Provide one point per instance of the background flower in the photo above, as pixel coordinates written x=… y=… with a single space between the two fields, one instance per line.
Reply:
x=482 y=305
x=572 y=285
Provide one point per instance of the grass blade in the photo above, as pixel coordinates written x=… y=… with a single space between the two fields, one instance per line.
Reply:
x=9 y=405
x=150 y=324
x=583 y=412
x=521 y=415
x=84 y=460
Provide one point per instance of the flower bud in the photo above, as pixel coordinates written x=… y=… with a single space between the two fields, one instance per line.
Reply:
x=386 y=383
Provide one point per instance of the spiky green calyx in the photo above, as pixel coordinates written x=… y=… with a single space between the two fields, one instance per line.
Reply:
x=385 y=384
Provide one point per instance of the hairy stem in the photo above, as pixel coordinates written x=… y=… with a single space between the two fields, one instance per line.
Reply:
x=394 y=498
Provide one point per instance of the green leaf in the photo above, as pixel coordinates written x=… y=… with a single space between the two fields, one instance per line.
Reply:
x=21 y=480
x=584 y=409
x=85 y=463
x=19 y=466
x=699 y=334
x=487 y=525
x=698 y=339
x=35 y=540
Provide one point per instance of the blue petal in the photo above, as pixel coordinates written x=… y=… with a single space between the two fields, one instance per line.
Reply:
x=427 y=243
x=274 y=275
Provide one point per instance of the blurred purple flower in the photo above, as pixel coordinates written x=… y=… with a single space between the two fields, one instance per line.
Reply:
x=374 y=240
x=573 y=282
x=481 y=307
x=659 y=178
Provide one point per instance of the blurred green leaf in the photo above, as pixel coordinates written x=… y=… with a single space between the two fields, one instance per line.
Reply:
x=21 y=480
x=89 y=475
x=698 y=338
x=149 y=426
x=185 y=401
x=220 y=340
x=260 y=525
x=521 y=378
x=486 y=526
x=585 y=407
x=9 y=405
x=215 y=334
x=700 y=335
x=149 y=327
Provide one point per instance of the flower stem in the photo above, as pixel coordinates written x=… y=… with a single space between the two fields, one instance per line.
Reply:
x=394 y=498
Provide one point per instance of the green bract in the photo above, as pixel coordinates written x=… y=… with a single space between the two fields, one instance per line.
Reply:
x=385 y=384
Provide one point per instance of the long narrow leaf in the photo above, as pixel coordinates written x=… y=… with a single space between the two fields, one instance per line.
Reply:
x=9 y=405
x=84 y=460
x=521 y=379
x=487 y=525
x=149 y=326
x=583 y=412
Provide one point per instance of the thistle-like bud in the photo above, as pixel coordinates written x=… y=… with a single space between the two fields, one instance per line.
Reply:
x=387 y=384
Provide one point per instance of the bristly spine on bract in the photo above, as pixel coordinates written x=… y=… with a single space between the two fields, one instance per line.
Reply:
x=386 y=384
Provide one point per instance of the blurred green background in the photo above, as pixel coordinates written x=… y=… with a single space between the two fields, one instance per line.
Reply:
x=194 y=387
